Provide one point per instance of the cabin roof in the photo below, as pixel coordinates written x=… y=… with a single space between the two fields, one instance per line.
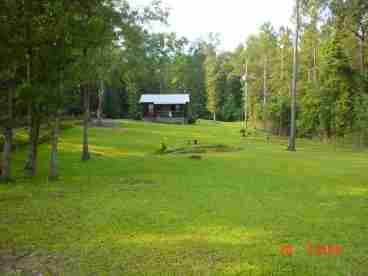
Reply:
x=165 y=99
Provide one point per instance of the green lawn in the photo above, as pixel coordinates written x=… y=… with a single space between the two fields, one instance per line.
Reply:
x=130 y=211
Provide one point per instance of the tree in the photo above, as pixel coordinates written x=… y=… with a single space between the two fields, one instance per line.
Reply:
x=280 y=106
x=337 y=83
x=211 y=79
x=353 y=17
x=133 y=97
x=292 y=136
x=5 y=167
x=268 y=44
x=60 y=60
x=34 y=39
x=8 y=71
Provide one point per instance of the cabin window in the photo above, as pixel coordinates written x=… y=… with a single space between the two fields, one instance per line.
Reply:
x=177 y=107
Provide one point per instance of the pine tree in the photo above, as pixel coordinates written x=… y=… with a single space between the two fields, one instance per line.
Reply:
x=211 y=82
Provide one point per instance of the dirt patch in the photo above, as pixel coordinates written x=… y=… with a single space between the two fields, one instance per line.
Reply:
x=133 y=184
x=105 y=124
x=195 y=157
x=14 y=198
x=30 y=263
x=194 y=150
x=56 y=195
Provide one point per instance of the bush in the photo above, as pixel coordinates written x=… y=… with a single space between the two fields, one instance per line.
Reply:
x=66 y=125
x=245 y=133
x=20 y=135
x=163 y=147
x=192 y=120
x=138 y=116
x=195 y=157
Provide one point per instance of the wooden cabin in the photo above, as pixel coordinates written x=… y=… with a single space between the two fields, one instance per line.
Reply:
x=168 y=108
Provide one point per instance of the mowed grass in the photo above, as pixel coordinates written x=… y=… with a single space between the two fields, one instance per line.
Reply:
x=130 y=211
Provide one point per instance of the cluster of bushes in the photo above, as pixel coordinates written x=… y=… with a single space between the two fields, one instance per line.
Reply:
x=20 y=138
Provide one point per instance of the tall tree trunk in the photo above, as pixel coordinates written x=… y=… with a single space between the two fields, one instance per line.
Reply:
x=315 y=65
x=101 y=93
x=55 y=132
x=292 y=136
x=362 y=131
x=8 y=137
x=245 y=122
x=265 y=93
x=33 y=125
x=161 y=71
x=362 y=52
x=6 y=161
x=280 y=121
x=54 y=146
x=34 y=133
x=265 y=84
x=282 y=75
x=214 y=116
x=85 y=155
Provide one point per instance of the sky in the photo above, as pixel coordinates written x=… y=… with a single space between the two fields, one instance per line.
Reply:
x=234 y=20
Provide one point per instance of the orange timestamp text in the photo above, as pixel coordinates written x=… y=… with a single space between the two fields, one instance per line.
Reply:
x=314 y=250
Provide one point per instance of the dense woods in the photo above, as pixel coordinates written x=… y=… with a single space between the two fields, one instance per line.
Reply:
x=96 y=57
x=55 y=56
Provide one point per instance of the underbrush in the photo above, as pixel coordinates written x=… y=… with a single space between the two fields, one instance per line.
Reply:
x=20 y=135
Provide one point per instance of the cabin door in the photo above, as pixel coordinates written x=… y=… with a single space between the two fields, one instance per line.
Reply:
x=151 y=110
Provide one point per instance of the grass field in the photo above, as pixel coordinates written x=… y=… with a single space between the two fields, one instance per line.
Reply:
x=131 y=211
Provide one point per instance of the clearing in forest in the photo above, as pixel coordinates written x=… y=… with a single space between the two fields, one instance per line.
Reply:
x=131 y=211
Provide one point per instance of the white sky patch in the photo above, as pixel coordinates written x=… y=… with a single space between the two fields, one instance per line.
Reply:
x=234 y=20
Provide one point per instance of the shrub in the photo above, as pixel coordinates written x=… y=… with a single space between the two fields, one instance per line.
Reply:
x=66 y=125
x=163 y=147
x=192 y=120
x=195 y=157
x=245 y=132
x=138 y=116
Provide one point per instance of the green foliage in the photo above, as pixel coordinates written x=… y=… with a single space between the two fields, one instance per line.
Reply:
x=230 y=111
x=309 y=116
x=337 y=89
x=192 y=120
x=133 y=99
x=163 y=147
x=82 y=45
x=20 y=137
x=210 y=66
